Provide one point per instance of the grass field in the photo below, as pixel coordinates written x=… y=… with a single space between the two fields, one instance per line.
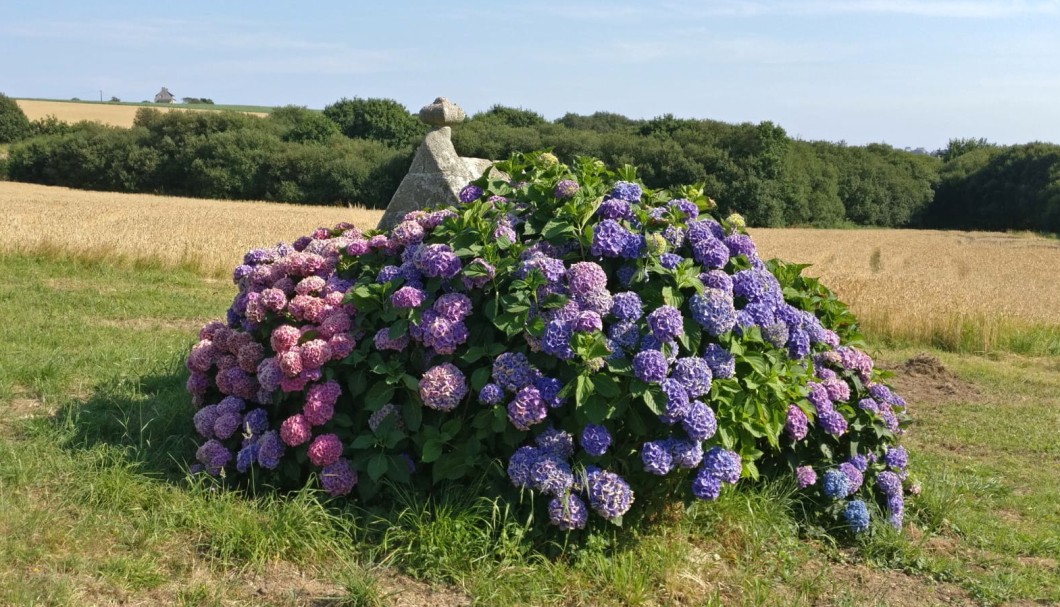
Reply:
x=104 y=293
x=114 y=114
x=95 y=509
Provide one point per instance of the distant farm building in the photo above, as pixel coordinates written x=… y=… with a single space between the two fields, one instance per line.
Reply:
x=164 y=96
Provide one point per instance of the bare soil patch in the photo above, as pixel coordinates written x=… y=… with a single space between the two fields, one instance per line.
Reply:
x=924 y=379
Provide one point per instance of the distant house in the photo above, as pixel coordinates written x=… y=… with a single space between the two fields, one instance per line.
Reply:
x=164 y=96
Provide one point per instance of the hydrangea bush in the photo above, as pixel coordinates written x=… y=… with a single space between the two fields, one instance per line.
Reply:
x=564 y=333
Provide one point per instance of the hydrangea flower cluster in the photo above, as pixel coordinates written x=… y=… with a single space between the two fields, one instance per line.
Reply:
x=608 y=344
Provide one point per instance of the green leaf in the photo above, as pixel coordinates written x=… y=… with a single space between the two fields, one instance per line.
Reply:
x=399 y=328
x=398 y=469
x=378 y=395
x=412 y=413
x=363 y=441
x=583 y=390
x=357 y=384
x=606 y=386
x=480 y=378
x=377 y=466
x=432 y=450
x=655 y=400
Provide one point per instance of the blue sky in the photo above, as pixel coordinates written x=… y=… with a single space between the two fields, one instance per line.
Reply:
x=911 y=73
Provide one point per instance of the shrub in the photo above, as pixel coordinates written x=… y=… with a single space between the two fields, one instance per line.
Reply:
x=14 y=126
x=608 y=348
x=383 y=120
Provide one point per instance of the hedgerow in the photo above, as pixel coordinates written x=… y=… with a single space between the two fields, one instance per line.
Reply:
x=565 y=335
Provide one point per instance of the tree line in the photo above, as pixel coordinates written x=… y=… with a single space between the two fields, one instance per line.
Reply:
x=357 y=151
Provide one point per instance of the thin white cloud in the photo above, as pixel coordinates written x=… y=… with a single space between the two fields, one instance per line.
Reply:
x=964 y=9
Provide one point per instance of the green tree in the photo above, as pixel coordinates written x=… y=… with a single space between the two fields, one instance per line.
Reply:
x=14 y=126
x=382 y=120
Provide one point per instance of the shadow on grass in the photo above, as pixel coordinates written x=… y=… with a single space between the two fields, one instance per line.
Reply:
x=147 y=417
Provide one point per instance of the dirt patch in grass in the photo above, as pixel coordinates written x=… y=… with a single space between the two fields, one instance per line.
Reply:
x=924 y=379
x=402 y=591
x=898 y=589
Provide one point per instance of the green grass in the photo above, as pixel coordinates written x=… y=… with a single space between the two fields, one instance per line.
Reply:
x=96 y=508
x=194 y=106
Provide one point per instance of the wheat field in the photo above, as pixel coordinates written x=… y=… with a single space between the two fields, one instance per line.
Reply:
x=956 y=290
x=208 y=236
x=113 y=115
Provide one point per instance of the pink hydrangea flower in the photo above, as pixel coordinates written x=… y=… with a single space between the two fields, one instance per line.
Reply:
x=325 y=450
x=295 y=430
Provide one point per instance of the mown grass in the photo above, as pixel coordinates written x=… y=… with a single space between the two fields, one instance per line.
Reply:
x=96 y=508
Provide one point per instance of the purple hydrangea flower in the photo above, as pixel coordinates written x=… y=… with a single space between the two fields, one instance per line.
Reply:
x=527 y=408
x=442 y=387
x=587 y=322
x=382 y=341
x=722 y=363
x=626 y=190
x=550 y=387
x=708 y=251
x=797 y=425
x=666 y=323
x=656 y=457
x=213 y=456
x=687 y=454
x=595 y=439
x=556 y=340
x=625 y=334
x=558 y=442
x=896 y=458
x=270 y=450
x=805 y=476
x=860 y=462
x=757 y=285
x=699 y=423
x=338 y=478
x=551 y=475
x=512 y=371
x=565 y=189
x=685 y=207
x=677 y=401
x=407 y=297
x=470 y=193
x=519 y=465
x=694 y=374
x=714 y=311
x=491 y=394
x=610 y=239
x=586 y=277
x=706 y=486
x=650 y=366
x=889 y=483
x=723 y=464
x=626 y=306
x=609 y=494
x=595 y=301
x=832 y=422
x=614 y=208
x=854 y=476
x=741 y=244
x=437 y=260
x=568 y=512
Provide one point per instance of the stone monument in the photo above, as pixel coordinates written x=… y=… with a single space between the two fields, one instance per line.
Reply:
x=437 y=173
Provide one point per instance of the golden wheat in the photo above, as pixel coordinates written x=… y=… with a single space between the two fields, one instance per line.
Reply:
x=114 y=115
x=955 y=289
x=960 y=290
x=209 y=236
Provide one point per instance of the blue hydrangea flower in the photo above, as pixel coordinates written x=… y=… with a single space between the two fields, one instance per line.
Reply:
x=551 y=475
x=889 y=483
x=856 y=514
x=694 y=374
x=687 y=454
x=557 y=442
x=714 y=311
x=896 y=458
x=626 y=306
x=595 y=439
x=491 y=394
x=666 y=323
x=609 y=239
x=670 y=260
x=677 y=401
x=723 y=464
x=626 y=190
x=706 y=486
x=556 y=340
x=699 y=423
x=656 y=457
x=549 y=387
x=609 y=494
x=624 y=333
x=512 y=371
x=835 y=484
x=614 y=208
x=270 y=450
x=568 y=512
x=717 y=279
x=650 y=366
x=722 y=363
x=519 y=465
